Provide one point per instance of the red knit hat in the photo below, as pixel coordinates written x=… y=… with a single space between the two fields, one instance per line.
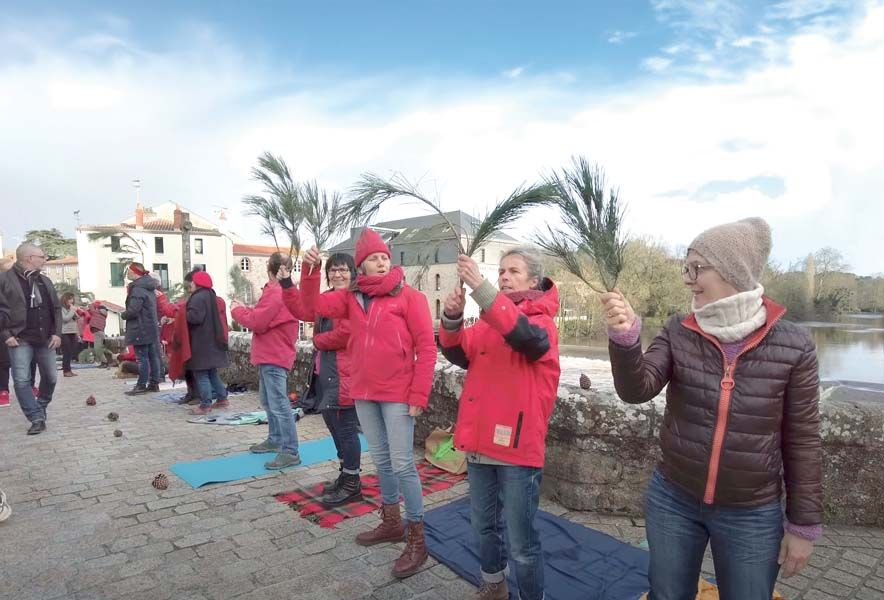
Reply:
x=369 y=243
x=137 y=270
x=202 y=279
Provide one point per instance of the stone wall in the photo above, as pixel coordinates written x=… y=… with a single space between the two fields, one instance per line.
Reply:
x=601 y=451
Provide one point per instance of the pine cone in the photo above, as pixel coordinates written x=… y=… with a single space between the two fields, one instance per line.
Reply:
x=118 y=433
x=112 y=416
x=90 y=401
x=161 y=482
x=585 y=382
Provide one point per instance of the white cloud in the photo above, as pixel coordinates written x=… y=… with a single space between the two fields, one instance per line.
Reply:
x=657 y=64
x=514 y=73
x=618 y=37
x=78 y=129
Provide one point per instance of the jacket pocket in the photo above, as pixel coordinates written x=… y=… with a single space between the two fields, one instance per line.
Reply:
x=518 y=430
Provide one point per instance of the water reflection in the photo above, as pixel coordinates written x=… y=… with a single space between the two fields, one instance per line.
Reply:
x=851 y=349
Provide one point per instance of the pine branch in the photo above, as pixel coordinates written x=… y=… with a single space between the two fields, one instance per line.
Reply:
x=557 y=244
x=322 y=212
x=508 y=211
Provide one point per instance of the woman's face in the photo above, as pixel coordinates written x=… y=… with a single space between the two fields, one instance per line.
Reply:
x=709 y=285
x=376 y=264
x=512 y=276
x=339 y=277
x=68 y=302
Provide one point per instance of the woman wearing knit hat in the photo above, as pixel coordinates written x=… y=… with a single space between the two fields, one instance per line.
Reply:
x=392 y=358
x=741 y=423
x=206 y=316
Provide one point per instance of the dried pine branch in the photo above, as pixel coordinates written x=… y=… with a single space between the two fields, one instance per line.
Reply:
x=556 y=244
x=280 y=208
x=322 y=212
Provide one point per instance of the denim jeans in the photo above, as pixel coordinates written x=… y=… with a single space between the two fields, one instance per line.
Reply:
x=273 y=390
x=745 y=544
x=389 y=431
x=21 y=357
x=343 y=425
x=150 y=368
x=512 y=492
x=208 y=383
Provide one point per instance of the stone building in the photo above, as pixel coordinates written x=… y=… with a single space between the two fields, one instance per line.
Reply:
x=427 y=248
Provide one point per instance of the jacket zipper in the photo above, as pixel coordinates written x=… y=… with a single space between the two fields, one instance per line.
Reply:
x=727 y=385
x=518 y=430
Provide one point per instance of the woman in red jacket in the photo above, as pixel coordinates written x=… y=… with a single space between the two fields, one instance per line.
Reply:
x=512 y=360
x=392 y=358
x=274 y=333
x=741 y=423
x=328 y=390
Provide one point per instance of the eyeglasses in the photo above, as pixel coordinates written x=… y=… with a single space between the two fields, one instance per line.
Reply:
x=690 y=271
x=338 y=271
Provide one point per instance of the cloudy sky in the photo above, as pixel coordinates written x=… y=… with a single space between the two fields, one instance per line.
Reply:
x=700 y=111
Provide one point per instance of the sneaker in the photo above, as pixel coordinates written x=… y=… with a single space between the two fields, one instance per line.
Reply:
x=222 y=403
x=153 y=387
x=263 y=448
x=283 y=460
x=138 y=390
x=4 y=398
x=38 y=427
x=201 y=410
x=493 y=591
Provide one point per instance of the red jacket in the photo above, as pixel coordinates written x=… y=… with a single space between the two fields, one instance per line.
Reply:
x=392 y=351
x=274 y=329
x=512 y=359
x=165 y=309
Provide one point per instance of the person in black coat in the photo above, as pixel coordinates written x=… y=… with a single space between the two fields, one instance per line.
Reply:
x=207 y=328
x=142 y=328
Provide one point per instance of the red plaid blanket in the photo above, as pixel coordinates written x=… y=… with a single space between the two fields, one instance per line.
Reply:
x=306 y=500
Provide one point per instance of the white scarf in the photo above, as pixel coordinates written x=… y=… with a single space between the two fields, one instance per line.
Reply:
x=733 y=318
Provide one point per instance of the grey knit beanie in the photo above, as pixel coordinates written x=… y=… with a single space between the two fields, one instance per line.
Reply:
x=738 y=251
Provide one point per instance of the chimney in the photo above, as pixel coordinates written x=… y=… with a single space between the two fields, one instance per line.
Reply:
x=139 y=216
x=178 y=219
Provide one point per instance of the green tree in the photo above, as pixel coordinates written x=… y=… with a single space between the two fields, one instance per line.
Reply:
x=280 y=208
x=53 y=242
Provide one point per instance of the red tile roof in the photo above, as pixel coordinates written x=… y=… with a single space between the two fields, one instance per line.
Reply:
x=255 y=250
x=67 y=260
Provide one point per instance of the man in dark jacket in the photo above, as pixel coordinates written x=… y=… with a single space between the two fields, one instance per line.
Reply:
x=142 y=328
x=207 y=328
x=31 y=330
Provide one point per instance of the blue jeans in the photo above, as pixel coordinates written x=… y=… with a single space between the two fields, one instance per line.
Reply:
x=150 y=367
x=512 y=492
x=273 y=390
x=343 y=425
x=207 y=382
x=389 y=431
x=745 y=544
x=21 y=357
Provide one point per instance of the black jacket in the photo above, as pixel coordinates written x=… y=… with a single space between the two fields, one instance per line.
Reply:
x=142 y=325
x=206 y=349
x=14 y=305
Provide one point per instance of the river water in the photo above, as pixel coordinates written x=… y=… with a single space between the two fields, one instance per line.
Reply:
x=850 y=349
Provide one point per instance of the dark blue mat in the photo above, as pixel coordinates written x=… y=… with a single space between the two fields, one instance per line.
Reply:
x=580 y=563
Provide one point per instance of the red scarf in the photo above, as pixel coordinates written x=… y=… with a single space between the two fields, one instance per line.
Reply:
x=518 y=297
x=380 y=285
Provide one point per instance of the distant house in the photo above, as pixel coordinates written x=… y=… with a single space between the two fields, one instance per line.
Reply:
x=63 y=270
x=169 y=241
x=427 y=249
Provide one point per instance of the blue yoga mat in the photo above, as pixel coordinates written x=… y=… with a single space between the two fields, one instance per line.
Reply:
x=245 y=464
x=579 y=563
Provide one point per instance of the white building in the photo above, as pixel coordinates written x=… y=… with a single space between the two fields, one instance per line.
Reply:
x=167 y=239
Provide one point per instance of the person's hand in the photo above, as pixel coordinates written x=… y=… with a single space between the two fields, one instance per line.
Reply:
x=618 y=313
x=794 y=554
x=312 y=257
x=12 y=342
x=468 y=271
x=283 y=273
x=54 y=342
x=415 y=411
x=455 y=303
x=235 y=304
x=166 y=320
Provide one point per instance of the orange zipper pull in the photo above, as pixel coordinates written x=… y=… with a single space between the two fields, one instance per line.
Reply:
x=727 y=382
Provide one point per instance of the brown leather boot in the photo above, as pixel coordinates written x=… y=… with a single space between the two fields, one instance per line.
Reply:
x=415 y=553
x=390 y=529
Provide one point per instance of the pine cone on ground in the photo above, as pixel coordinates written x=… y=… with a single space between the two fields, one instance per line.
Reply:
x=585 y=382
x=112 y=416
x=160 y=482
x=90 y=401
x=118 y=433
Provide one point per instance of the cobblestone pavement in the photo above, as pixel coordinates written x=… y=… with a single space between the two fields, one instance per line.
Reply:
x=87 y=524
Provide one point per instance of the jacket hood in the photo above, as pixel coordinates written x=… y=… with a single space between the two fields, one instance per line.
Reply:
x=548 y=304
x=145 y=281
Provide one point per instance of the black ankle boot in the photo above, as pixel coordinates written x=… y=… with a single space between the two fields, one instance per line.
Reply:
x=334 y=484
x=350 y=490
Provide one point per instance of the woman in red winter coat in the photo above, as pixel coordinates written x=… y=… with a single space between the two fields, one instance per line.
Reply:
x=328 y=389
x=392 y=358
x=512 y=360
